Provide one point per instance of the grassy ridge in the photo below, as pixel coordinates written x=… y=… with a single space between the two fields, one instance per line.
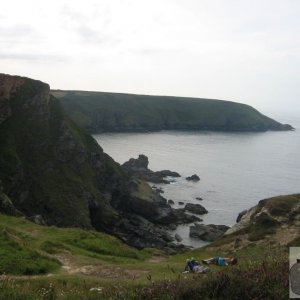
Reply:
x=98 y=111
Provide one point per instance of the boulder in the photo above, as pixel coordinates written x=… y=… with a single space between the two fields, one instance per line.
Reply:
x=207 y=232
x=194 y=177
x=171 y=202
x=199 y=198
x=196 y=208
x=180 y=202
x=178 y=238
x=37 y=219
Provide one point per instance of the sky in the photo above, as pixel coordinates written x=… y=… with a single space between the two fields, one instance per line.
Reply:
x=241 y=50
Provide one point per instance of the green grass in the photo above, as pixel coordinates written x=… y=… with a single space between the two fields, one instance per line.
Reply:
x=98 y=112
x=17 y=259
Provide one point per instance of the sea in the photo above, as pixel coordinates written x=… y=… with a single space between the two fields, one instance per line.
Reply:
x=236 y=169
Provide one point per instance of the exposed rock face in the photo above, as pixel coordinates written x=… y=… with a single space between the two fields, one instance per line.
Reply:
x=139 y=168
x=207 y=232
x=8 y=87
x=272 y=212
x=273 y=222
x=196 y=208
x=137 y=165
x=241 y=214
x=56 y=174
x=194 y=177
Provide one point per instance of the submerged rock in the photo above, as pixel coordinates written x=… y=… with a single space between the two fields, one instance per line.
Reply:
x=194 y=177
x=199 y=198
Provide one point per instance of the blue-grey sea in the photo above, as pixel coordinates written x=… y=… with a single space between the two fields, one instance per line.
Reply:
x=236 y=169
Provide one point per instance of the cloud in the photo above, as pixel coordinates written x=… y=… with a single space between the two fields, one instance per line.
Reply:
x=90 y=26
x=48 y=58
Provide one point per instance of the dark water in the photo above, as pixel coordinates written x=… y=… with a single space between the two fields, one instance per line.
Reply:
x=236 y=169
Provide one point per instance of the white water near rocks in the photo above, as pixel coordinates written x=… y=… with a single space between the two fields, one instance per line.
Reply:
x=236 y=169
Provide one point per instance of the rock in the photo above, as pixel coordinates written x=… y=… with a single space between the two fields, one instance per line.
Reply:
x=167 y=173
x=140 y=233
x=171 y=202
x=241 y=214
x=195 y=208
x=172 y=227
x=37 y=219
x=178 y=238
x=194 y=177
x=139 y=168
x=180 y=202
x=184 y=218
x=139 y=164
x=207 y=232
x=199 y=198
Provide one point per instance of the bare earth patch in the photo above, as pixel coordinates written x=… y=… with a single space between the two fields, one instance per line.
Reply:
x=71 y=265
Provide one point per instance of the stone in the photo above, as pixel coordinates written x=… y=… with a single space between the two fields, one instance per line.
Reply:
x=207 y=232
x=180 y=202
x=194 y=177
x=241 y=214
x=178 y=238
x=171 y=202
x=199 y=198
x=139 y=168
x=196 y=208
x=37 y=219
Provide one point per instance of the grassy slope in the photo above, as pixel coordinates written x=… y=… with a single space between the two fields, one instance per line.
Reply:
x=262 y=271
x=120 y=112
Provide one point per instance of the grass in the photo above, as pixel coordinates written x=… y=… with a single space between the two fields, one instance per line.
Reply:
x=153 y=274
x=98 y=112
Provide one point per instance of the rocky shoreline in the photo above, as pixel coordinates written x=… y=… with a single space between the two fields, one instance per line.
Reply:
x=169 y=218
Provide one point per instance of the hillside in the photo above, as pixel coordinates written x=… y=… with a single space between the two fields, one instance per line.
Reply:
x=91 y=265
x=98 y=112
x=273 y=221
x=54 y=173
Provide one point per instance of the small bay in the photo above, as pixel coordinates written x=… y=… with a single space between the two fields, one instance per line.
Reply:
x=236 y=169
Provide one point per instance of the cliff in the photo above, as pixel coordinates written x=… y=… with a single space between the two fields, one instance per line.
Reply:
x=54 y=173
x=273 y=221
x=98 y=112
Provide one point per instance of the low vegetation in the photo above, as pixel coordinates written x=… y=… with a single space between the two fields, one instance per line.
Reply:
x=122 y=272
x=99 y=112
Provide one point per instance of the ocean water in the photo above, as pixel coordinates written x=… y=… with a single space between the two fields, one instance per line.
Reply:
x=236 y=169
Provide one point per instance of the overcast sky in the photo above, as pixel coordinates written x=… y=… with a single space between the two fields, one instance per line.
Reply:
x=242 y=50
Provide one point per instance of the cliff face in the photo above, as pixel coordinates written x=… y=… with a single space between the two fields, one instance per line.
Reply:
x=52 y=171
x=97 y=112
x=273 y=221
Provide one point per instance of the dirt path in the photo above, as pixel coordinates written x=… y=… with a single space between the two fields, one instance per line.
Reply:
x=71 y=265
